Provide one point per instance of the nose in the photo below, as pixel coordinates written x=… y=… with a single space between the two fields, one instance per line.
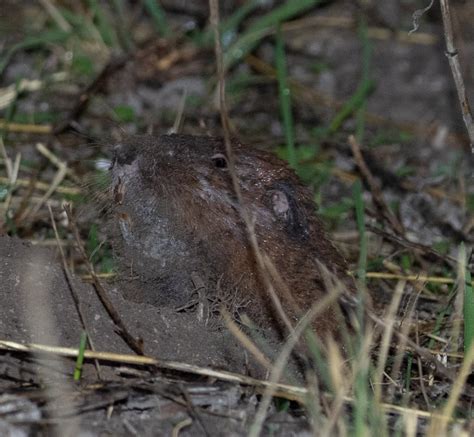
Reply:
x=124 y=154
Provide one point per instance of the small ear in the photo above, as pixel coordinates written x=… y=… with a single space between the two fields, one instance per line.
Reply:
x=288 y=213
x=280 y=204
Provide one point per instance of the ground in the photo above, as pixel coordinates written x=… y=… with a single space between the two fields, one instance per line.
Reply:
x=74 y=76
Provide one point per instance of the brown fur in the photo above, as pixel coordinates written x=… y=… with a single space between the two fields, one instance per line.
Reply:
x=181 y=217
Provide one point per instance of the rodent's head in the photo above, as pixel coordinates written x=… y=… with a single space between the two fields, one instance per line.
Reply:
x=188 y=176
x=178 y=214
x=173 y=166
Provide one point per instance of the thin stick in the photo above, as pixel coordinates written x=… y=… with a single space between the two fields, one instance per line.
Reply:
x=453 y=58
x=291 y=392
x=374 y=189
x=74 y=294
x=132 y=342
x=424 y=353
x=439 y=425
x=420 y=370
x=193 y=411
x=58 y=178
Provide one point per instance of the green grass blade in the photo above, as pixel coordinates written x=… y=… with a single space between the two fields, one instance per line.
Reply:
x=361 y=393
x=361 y=403
x=360 y=218
x=80 y=356
x=122 y=28
x=354 y=103
x=408 y=371
x=230 y=25
x=33 y=42
x=233 y=22
x=252 y=36
x=104 y=27
x=285 y=99
x=158 y=16
x=468 y=307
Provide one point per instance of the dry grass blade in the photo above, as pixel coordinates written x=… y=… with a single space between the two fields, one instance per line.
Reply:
x=440 y=423
x=341 y=387
x=424 y=353
x=290 y=392
x=413 y=278
x=387 y=335
x=285 y=353
x=214 y=8
x=244 y=340
x=10 y=93
x=180 y=426
x=6 y=159
x=58 y=178
x=178 y=122
x=38 y=129
x=12 y=172
x=350 y=23
x=42 y=186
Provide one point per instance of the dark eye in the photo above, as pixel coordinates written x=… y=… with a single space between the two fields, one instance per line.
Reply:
x=219 y=160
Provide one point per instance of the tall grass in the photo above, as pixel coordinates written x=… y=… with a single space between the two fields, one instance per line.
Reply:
x=252 y=36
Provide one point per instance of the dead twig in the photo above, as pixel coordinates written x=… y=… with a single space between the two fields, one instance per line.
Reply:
x=57 y=180
x=132 y=342
x=413 y=278
x=244 y=340
x=403 y=242
x=12 y=172
x=350 y=23
x=420 y=370
x=424 y=353
x=377 y=195
x=453 y=58
x=193 y=411
x=290 y=392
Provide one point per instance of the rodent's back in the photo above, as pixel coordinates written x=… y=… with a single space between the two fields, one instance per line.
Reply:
x=179 y=216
